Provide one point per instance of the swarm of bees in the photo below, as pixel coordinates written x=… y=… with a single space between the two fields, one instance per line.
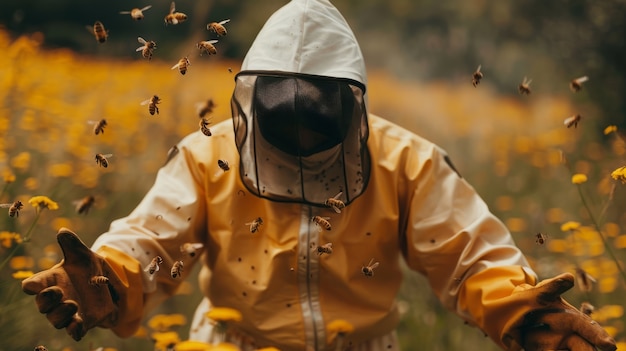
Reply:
x=14 y=208
x=321 y=222
x=147 y=48
x=255 y=224
x=182 y=65
x=99 y=32
x=218 y=27
x=136 y=13
x=477 y=76
x=524 y=87
x=174 y=17
x=102 y=160
x=368 y=270
x=152 y=104
x=572 y=121
x=98 y=280
x=190 y=248
x=325 y=249
x=84 y=205
x=577 y=84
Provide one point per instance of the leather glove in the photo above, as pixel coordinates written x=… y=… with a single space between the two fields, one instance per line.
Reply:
x=552 y=323
x=69 y=294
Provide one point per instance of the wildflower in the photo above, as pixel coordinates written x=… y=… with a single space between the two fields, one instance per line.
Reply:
x=619 y=174
x=339 y=328
x=610 y=129
x=165 y=341
x=8 y=176
x=192 y=345
x=60 y=170
x=271 y=348
x=221 y=316
x=225 y=346
x=579 y=178
x=569 y=226
x=41 y=202
x=21 y=262
x=22 y=274
x=8 y=238
x=21 y=161
x=163 y=322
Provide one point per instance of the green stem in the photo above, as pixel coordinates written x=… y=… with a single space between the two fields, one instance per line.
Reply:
x=25 y=239
x=604 y=241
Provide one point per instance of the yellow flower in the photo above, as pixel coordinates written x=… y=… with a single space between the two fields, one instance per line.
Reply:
x=579 y=178
x=162 y=322
x=619 y=174
x=271 y=348
x=164 y=341
x=22 y=274
x=225 y=346
x=21 y=161
x=568 y=226
x=340 y=326
x=41 y=202
x=21 y=262
x=192 y=345
x=224 y=314
x=60 y=170
x=8 y=238
x=610 y=129
x=8 y=176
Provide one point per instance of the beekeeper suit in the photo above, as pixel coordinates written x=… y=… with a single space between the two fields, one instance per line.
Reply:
x=302 y=135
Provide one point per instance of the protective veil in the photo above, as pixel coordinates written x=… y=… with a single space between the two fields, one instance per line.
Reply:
x=299 y=108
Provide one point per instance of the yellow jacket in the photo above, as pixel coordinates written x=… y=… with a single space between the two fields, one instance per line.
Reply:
x=416 y=208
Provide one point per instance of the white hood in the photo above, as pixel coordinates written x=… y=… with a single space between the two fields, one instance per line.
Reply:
x=307 y=36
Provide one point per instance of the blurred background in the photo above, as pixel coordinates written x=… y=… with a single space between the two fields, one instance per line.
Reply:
x=56 y=81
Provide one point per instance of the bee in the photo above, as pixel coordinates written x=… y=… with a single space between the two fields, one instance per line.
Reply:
x=335 y=203
x=98 y=126
x=321 y=222
x=368 y=270
x=40 y=348
x=255 y=224
x=153 y=267
x=182 y=65
x=102 y=160
x=477 y=76
x=223 y=164
x=207 y=46
x=98 y=280
x=540 y=238
x=218 y=27
x=152 y=104
x=177 y=269
x=14 y=208
x=587 y=308
x=584 y=280
x=205 y=108
x=190 y=248
x=204 y=128
x=572 y=121
x=136 y=13
x=99 y=32
x=147 y=48
x=524 y=87
x=325 y=249
x=84 y=205
x=175 y=17
x=577 y=84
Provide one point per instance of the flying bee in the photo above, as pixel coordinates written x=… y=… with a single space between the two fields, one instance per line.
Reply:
x=207 y=46
x=223 y=165
x=255 y=224
x=218 y=27
x=584 y=280
x=136 y=13
x=321 y=222
x=98 y=280
x=102 y=160
x=175 y=17
x=152 y=104
x=190 y=248
x=577 y=84
x=99 y=32
x=14 y=208
x=177 y=269
x=84 y=205
x=368 y=270
x=540 y=238
x=335 y=203
x=524 y=87
x=477 y=76
x=40 y=348
x=325 y=249
x=98 y=126
x=182 y=65
x=153 y=267
x=587 y=308
x=147 y=48
x=204 y=128
x=205 y=108
x=572 y=121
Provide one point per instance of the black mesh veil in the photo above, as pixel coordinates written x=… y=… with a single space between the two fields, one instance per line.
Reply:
x=301 y=138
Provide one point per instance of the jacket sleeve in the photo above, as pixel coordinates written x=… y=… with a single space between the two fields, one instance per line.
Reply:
x=170 y=214
x=466 y=253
